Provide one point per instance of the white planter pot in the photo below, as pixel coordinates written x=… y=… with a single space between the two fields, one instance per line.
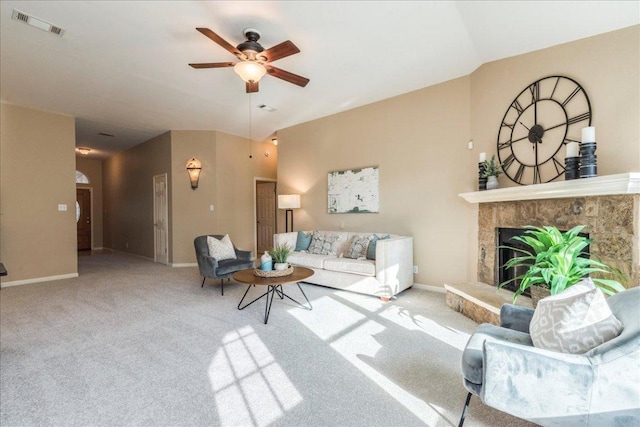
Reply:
x=280 y=266
x=492 y=182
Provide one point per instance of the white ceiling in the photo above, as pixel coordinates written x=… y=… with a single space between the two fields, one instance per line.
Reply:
x=121 y=66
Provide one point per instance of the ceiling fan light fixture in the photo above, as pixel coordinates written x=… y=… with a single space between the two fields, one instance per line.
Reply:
x=250 y=72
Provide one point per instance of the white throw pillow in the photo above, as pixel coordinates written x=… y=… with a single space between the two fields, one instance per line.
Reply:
x=221 y=249
x=574 y=321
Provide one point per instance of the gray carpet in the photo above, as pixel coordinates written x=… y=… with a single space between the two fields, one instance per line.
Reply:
x=131 y=342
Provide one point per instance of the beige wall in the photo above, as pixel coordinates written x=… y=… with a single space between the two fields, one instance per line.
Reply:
x=419 y=142
x=236 y=174
x=128 y=195
x=608 y=68
x=191 y=215
x=93 y=170
x=226 y=182
x=37 y=173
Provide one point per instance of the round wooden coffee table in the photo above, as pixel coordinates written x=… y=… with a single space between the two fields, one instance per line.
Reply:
x=274 y=286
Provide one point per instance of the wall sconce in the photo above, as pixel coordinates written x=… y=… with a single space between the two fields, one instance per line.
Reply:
x=288 y=202
x=194 y=167
x=275 y=141
x=84 y=150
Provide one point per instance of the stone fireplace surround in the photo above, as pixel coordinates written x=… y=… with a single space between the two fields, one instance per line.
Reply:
x=609 y=206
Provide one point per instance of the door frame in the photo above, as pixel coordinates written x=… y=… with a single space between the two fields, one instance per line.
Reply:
x=166 y=179
x=85 y=187
x=255 y=208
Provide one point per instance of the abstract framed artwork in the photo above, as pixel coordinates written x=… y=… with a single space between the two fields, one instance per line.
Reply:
x=354 y=191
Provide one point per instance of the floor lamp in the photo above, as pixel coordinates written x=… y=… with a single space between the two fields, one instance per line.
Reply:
x=289 y=202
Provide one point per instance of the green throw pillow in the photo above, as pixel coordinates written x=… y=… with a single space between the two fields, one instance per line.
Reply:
x=303 y=241
x=371 y=250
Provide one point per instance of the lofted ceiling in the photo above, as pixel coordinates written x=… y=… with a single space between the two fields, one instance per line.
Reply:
x=121 y=67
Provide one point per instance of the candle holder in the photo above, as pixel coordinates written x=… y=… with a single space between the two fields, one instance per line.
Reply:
x=482 y=182
x=571 y=168
x=588 y=160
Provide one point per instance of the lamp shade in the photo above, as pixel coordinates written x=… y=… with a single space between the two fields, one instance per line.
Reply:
x=250 y=72
x=288 y=201
x=193 y=168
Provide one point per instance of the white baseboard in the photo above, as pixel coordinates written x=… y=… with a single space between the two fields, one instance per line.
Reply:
x=39 y=279
x=431 y=288
x=184 y=264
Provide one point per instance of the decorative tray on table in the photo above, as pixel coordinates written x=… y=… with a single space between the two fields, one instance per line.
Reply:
x=272 y=273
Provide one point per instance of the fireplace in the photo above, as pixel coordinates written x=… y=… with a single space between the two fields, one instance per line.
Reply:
x=505 y=238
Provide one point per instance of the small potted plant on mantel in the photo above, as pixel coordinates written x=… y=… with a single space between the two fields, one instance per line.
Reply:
x=491 y=170
x=279 y=254
x=556 y=261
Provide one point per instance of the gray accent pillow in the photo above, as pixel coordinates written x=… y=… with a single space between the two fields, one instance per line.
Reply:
x=574 y=321
x=357 y=247
x=221 y=249
x=321 y=244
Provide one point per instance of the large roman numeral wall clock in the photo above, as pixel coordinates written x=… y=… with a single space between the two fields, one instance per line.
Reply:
x=541 y=120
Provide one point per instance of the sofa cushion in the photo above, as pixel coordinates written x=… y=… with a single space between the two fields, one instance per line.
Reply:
x=371 y=249
x=357 y=247
x=362 y=267
x=303 y=241
x=221 y=249
x=574 y=321
x=308 y=260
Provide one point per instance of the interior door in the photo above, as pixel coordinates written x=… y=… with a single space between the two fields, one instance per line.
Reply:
x=265 y=215
x=83 y=218
x=160 y=219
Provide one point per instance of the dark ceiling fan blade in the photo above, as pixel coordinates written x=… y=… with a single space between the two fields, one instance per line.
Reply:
x=286 y=76
x=222 y=42
x=252 y=87
x=279 y=51
x=213 y=65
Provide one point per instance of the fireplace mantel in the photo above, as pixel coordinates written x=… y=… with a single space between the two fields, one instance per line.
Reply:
x=625 y=183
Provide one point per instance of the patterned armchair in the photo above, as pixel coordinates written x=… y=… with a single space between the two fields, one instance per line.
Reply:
x=598 y=388
x=219 y=269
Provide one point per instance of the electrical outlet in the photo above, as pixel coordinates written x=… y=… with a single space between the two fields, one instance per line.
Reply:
x=62 y=207
x=415 y=269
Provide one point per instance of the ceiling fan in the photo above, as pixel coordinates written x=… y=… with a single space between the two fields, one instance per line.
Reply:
x=255 y=61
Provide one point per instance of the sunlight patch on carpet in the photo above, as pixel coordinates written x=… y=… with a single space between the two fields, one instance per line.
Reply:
x=401 y=317
x=250 y=388
x=342 y=317
x=353 y=335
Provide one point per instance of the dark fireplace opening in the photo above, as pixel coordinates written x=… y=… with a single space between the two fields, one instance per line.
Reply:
x=505 y=238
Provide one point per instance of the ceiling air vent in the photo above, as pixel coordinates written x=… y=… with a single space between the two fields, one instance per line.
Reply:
x=266 y=108
x=106 y=134
x=36 y=22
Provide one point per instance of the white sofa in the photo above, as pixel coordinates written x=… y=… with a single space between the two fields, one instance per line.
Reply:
x=390 y=273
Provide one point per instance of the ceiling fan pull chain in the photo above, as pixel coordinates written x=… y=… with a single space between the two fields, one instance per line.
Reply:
x=250 y=135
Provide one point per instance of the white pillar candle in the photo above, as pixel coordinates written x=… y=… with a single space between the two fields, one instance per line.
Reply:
x=483 y=157
x=572 y=149
x=589 y=134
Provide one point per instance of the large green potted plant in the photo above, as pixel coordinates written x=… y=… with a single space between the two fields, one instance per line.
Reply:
x=555 y=261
